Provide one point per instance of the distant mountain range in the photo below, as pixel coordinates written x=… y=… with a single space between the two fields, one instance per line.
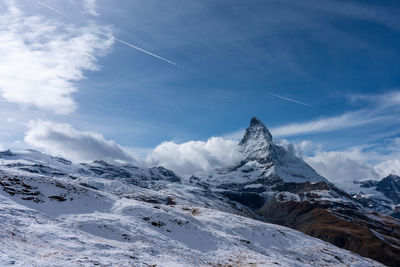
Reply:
x=56 y=213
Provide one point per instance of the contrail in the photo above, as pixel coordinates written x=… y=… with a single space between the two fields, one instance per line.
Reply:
x=294 y=101
x=147 y=52
x=52 y=9
x=121 y=41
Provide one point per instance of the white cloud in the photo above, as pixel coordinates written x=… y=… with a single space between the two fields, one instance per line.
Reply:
x=391 y=166
x=346 y=120
x=41 y=60
x=192 y=156
x=184 y=159
x=380 y=108
x=383 y=101
x=236 y=135
x=90 y=7
x=64 y=140
x=341 y=168
x=355 y=163
x=305 y=147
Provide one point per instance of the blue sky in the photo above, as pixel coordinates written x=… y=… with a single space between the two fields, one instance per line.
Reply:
x=232 y=61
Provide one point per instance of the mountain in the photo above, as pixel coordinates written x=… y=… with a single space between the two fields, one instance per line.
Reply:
x=382 y=196
x=264 y=162
x=389 y=187
x=260 y=152
x=268 y=169
x=285 y=190
x=56 y=213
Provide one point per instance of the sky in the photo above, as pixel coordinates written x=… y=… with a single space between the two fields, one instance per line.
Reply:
x=155 y=81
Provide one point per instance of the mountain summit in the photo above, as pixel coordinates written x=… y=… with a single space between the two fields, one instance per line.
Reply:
x=257 y=143
x=256 y=130
x=265 y=165
x=277 y=163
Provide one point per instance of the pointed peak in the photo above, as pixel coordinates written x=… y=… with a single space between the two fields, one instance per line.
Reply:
x=257 y=143
x=256 y=122
x=256 y=130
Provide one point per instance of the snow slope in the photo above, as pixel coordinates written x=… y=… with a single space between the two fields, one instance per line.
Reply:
x=56 y=213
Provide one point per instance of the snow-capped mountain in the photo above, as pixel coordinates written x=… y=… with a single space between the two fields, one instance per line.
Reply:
x=285 y=190
x=264 y=163
x=389 y=187
x=267 y=169
x=383 y=195
x=56 y=213
x=261 y=152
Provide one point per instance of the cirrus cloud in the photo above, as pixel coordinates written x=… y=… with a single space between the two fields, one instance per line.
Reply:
x=381 y=108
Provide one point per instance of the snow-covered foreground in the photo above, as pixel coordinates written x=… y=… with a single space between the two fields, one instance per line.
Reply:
x=57 y=213
x=126 y=232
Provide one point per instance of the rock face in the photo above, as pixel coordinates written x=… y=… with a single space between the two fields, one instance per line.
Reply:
x=388 y=186
x=381 y=196
x=342 y=224
x=257 y=143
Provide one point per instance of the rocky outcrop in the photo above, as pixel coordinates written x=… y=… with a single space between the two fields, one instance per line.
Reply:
x=368 y=234
x=388 y=186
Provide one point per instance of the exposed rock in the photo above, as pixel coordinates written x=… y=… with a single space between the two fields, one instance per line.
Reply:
x=370 y=235
x=6 y=153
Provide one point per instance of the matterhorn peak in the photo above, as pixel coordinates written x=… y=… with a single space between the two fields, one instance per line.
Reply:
x=257 y=142
x=259 y=150
x=256 y=130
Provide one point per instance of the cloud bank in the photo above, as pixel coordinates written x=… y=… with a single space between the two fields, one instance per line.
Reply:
x=41 y=60
x=192 y=156
x=63 y=140
x=340 y=167
x=391 y=166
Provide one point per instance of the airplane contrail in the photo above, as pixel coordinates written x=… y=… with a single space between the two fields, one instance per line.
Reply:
x=120 y=41
x=294 y=101
x=147 y=52
x=52 y=9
